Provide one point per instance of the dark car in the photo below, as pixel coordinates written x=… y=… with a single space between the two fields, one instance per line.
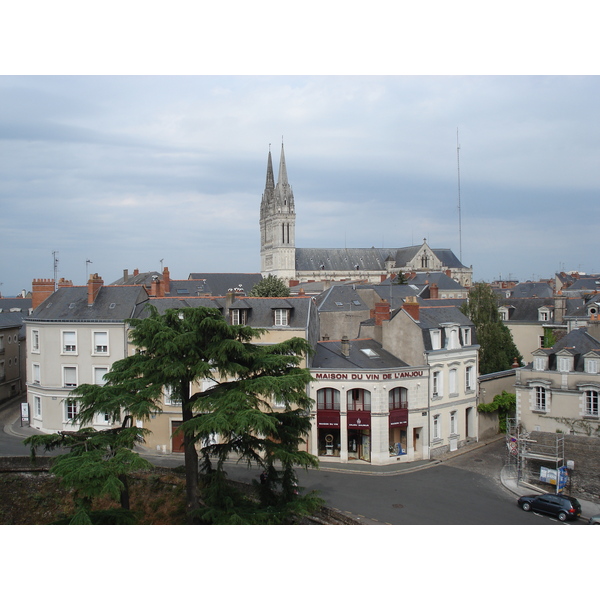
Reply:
x=557 y=505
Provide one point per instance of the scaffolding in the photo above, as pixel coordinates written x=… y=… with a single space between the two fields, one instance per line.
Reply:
x=541 y=460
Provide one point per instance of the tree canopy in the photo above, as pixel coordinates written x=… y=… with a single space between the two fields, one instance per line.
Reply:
x=497 y=350
x=233 y=416
x=270 y=287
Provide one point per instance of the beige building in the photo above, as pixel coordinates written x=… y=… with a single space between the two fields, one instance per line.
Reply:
x=560 y=390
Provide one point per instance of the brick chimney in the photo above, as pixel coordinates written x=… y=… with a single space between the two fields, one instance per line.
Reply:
x=166 y=281
x=156 y=288
x=434 y=291
x=94 y=284
x=411 y=306
x=44 y=288
x=136 y=272
x=382 y=312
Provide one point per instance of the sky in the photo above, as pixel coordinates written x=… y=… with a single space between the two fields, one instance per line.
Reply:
x=108 y=171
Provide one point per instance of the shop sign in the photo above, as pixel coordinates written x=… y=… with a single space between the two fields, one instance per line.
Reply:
x=359 y=419
x=399 y=417
x=368 y=376
x=328 y=418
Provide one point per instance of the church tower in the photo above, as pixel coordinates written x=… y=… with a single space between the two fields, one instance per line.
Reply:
x=278 y=224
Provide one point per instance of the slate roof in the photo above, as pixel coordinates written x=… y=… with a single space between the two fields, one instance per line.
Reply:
x=10 y=320
x=113 y=304
x=440 y=279
x=525 y=310
x=367 y=259
x=139 y=279
x=340 y=298
x=433 y=317
x=8 y=304
x=578 y=341
x=218 y=284
x=329 y=356
x=528 y=289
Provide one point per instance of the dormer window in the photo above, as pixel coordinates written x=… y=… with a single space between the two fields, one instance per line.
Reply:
x=539 y=363
x=239 y=316
x=591 y=365
x=466 y=334
x=436 y=339
x=565 y=364
x=281 y=317
x=544 y=314
x=452 y=336
x=503 y=310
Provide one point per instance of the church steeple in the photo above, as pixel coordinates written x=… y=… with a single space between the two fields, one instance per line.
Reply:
x=270 y=179
x=282 y=177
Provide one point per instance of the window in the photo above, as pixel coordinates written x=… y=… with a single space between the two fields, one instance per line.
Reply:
x=466 y=336
x=453 y=339
x=69 y=341
x=100 y=342
x=238 y=316
x=591 y=365
x=398 y=398
x=469 y=378
x=36 y=373
x=452 y=382
x=99 y=373
x=564 y=364
x=71 y=409
x=359 y=399
x=453 y=423
x=170 y=399
x=591 y=403
x=437 y=383
x=281 y=317
x=544 y=314
x=437 y=423
x=436 y=339
x=37 y=406
x=328 y=399
x=70 y=376
x=1 y=343
x=540 y=398
x=539 y=363
x=35 y=340
x=503 y=313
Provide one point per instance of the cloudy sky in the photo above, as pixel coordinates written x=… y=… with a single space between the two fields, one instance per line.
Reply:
x=128 y=171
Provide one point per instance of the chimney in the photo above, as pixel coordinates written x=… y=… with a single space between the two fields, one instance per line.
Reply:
x=125 y=275
x=434 y=291
x=345 y=346
x=44 y=288
x=449 y=272
x=229 y=300
x=136 y=272
x=594 y=327
x=382 y=312
x=411 y=306
x=166 y=281
x=94 y=284
x=156 y=290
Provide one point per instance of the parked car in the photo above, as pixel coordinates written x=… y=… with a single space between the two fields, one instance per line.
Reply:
x=595 y=520
x=557 y=505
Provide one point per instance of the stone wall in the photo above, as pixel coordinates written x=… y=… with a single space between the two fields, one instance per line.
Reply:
x=584 y=451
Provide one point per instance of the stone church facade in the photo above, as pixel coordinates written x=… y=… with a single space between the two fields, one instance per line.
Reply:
x=280 y=257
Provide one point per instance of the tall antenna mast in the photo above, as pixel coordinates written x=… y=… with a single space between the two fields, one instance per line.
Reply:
x=459 y=215
x=55 y=255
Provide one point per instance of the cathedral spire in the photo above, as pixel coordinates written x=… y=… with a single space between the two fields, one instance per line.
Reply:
x=270 y=185
x=282 y=177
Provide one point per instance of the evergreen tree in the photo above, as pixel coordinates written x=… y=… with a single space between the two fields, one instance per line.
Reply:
x=497 y=350
x=96 y=465
x=184 y=346
x=270 y=287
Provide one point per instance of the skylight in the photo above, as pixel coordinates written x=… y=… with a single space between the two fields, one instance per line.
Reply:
x=370 y=353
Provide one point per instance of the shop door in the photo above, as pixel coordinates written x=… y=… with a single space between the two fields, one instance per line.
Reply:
x=417 y=445
x=176 y=437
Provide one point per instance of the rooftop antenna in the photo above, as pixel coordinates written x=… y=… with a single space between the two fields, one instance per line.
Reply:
x=87 y=277
x=55 y=256
x=459 y=215
x=161 y=264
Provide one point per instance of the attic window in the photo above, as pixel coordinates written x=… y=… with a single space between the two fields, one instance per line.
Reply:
x=356 y=302
x=72 y=305
x=370 y=353
x=339 y=304
x=182 y=291
x=112 y=305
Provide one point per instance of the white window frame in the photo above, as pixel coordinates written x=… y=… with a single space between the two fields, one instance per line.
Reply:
x=453 y=381
x=436 y=339
x=68 y=348
x=544 y=314
x=239 y=316
x=591 y=403
x=64 y=375
x=37 y=407
x=281 y=317
x=99 y=348
x=35 y=341
x=540 y=398
x=466 y=336
x=540 y=363
x=437 y=384
x=36 y=373
x=503 y=313
x=71 y=409
x=168 y=397
x=564 y=364
x=453 y=423
x=95 y=374
x=469 y=378
x=591 y=365
x=437 y=427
